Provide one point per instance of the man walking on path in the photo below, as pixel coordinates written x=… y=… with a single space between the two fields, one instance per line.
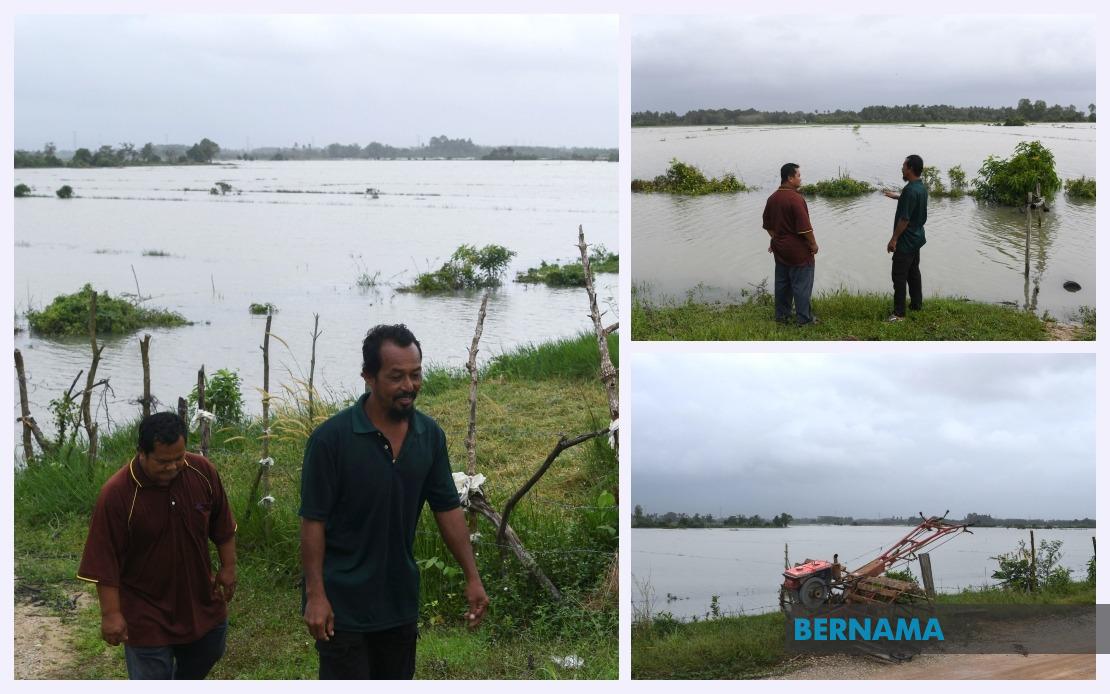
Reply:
x=147 y=552
x=367 y=472
x=786 y=220
x=908 y=238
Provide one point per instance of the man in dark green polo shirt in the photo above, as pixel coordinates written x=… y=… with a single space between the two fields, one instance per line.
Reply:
x=367 y=472
x=908 y=238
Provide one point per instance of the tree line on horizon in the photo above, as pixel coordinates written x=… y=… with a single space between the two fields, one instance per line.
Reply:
x=1026 y=111
x=440 y=147
x=672 y=519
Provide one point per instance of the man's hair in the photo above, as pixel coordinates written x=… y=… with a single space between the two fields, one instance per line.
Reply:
x=787 y=171
x=161 y=427
x=916 y=164
x=372 y=345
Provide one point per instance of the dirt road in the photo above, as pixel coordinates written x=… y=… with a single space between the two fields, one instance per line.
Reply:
x=951 y=667
x=43 y=643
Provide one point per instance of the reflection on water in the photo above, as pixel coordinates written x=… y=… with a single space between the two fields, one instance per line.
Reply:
x=973 y=250
x=303 y=252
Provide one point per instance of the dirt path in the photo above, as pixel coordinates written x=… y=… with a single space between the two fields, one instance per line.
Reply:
x=43 y=643
x=951 y=667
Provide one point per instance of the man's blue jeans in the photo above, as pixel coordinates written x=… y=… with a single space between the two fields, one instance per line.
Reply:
x=187 y=661
x=793 y=285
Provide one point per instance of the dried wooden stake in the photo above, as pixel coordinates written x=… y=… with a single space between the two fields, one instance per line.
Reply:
x=144 y=349
x=24 y=410
x=312 y=370
x=205 y=426
x=608 y=373
x=472 y=427
x=263 y=476
x=90 y=383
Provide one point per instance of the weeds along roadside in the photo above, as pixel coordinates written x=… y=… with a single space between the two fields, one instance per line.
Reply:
x=526 y=399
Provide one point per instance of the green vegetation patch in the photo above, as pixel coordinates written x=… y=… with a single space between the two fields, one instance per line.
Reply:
x=1083 y=188
x=469 y=268
x=843 y=186
x=1009 y=181
x=65 y=192
x=262 y=309
x=571 y=274
x=842 y=315
x=22 y=190
x=684 y=179
x=68 y=314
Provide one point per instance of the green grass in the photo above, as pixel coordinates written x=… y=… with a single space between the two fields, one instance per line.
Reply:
x=262 y=309
x=564 y=522
x=746 y=647
x=754 y=646
x=842 y=315
x=68 y=315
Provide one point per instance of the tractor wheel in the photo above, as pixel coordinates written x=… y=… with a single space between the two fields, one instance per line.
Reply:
x=814 y=592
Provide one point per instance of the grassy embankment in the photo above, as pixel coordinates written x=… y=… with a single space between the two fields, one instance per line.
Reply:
x=525 y=400
x=841 y=315
x=754 y=647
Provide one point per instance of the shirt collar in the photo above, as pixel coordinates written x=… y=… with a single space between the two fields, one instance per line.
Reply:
x=361 y=424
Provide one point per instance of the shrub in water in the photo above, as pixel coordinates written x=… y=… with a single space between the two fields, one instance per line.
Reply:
x=22 y=189
x=683 y=179
x=1082 y=187
x=841 y=187
x=1008 y=181
x=468 y=268
x=68 y=314
x=65 y=192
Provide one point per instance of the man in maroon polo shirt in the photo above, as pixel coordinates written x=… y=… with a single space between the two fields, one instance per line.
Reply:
x=786 y=220
x=147 y=552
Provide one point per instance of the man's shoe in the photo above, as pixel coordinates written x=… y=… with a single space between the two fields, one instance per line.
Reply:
x=894 y=318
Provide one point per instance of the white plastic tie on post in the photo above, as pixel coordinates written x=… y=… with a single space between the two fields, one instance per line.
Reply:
x=266 y=501
x=613 y=427
x=202 y=414
x=266 y=462
x=466 y=485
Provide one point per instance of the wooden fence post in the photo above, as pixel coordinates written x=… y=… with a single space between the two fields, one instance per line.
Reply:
x=90 y=383
x=472 y=427
x=144 y=349
x=312 y=371
x=203 y=424
x=24 y=409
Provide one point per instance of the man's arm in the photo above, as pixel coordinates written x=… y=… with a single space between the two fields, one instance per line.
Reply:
x=892 y=194
x=452 y=526
x=898 y=229
x=113 y=628
x=318 y=616
x=810 y=240
x=226 y=578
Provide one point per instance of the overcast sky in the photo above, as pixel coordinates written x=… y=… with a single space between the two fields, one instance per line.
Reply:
x=537 y=80
x=849 y=61
x=864 y=435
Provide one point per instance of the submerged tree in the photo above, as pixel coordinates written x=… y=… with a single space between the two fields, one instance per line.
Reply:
x=1009 y=181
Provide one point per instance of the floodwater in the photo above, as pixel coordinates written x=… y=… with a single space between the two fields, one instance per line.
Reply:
x=680 y=570
x=713 y=247
x=298 y=235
